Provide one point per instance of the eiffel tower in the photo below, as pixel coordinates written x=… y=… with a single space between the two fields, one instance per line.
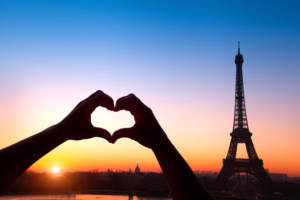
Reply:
x=241 y=134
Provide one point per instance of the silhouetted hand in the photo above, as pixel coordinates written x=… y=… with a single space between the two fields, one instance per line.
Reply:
x=146 y=130
x=182 y=182
x=15 y=159
x=77 y=125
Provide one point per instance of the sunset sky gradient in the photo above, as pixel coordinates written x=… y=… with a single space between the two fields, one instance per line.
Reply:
x=176 y=56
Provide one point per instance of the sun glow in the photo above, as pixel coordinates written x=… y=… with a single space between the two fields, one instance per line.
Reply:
x=56 y=170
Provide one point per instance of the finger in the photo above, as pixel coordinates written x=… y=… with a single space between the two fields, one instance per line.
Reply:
x=90 y=97
x=100 y=99
x=121 y=133
x=83 y=102
x=130 y=103
x=94 y=94
x=100 y=132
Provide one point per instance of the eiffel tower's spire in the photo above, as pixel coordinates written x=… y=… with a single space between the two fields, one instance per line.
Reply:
x=240 y=116
x=239 y=57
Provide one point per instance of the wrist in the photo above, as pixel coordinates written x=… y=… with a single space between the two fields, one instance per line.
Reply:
x=163 y=144
x=59 y=132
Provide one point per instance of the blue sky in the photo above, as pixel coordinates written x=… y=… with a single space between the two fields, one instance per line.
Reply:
x=168 y=43
x=170 y=31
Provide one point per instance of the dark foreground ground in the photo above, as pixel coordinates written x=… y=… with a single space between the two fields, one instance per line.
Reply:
x=141 y=184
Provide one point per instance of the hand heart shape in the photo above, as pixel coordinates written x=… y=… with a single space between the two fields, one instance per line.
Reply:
x=146 y=130
x=111 y=120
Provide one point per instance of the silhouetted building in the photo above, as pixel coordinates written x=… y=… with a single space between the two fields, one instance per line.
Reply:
x=278 y=177
x=137 y=169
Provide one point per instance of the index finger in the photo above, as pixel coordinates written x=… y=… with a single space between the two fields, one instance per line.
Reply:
x=130 y=103
x=100 y=99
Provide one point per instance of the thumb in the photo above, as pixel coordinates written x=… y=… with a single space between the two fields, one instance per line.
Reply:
x=100 y=132
x=124 y=132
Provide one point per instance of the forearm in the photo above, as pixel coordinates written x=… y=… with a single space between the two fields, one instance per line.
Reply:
x=181 y=179
x=16 y=158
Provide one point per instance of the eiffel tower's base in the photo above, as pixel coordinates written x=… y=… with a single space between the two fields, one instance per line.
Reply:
x=250 y=166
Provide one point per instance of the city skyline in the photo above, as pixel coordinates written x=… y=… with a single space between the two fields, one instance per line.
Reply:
x=177 y=57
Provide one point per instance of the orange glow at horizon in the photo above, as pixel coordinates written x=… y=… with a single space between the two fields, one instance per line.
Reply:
x=200 y=133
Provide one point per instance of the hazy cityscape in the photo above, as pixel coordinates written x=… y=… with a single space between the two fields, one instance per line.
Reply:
x=138 y=183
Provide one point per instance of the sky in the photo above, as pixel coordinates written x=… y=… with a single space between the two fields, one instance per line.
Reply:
x=176 y=56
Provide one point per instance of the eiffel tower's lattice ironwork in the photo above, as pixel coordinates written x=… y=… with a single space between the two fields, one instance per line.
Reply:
x=241 y=134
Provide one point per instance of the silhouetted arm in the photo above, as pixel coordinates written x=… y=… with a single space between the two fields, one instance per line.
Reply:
x=15 y=159
x=182 y=182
